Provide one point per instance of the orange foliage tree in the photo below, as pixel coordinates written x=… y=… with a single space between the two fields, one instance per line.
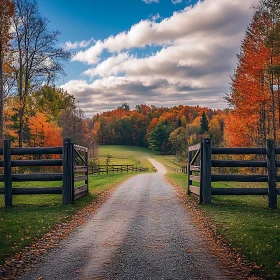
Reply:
x=42 y=132
x=255 y=96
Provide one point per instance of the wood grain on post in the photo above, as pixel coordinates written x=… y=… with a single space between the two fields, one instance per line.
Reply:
x=8 y=173
x=189 y=172
x=67 y=172
x=271 y=174
x=206 y=173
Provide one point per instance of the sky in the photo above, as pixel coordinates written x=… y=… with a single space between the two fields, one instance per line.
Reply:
x=154 y=52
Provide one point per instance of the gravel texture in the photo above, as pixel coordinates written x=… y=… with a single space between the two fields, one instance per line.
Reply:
x=142 y=231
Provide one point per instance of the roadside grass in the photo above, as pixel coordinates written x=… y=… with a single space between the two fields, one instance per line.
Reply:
x=245 y=224
x=32 y=216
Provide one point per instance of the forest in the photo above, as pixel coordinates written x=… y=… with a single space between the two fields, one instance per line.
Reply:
x=35 y=112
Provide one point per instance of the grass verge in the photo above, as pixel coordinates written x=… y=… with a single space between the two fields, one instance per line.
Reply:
x=246 y=225
x=32 y=216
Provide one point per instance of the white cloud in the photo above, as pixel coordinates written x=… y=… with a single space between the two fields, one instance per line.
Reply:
x=196 y=55
x=150 y=1
x=176 y=1
x=82 y=44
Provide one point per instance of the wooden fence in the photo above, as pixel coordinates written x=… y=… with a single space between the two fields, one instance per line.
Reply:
x=200 y=165
x=180 y=169
x=70 y=154
x=115 y=168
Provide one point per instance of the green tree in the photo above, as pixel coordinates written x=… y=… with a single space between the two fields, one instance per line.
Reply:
x=204 y=124
x=158 y=138
x=37 y=58
x=179 y=139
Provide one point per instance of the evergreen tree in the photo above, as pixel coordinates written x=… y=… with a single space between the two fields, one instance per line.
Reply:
x=204 y=124
x=158 y=138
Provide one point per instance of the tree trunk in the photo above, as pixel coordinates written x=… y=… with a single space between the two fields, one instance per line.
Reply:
x=1 y=98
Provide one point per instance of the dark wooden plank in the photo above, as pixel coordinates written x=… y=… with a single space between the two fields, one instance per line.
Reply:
x=271 y=174
x=37 y=151
x=194 y=147
x=2 y=190
x=238 y=151
x=190 y=153
x=43 y=190
x=195 y=168
x=195 y=190
x=37 y=177
x=80 y=148
x=206 y=176
x=80 y=178
x=80 y=169
x=238 y=178
x=40 y=162
x=86 y=173
x=68 y=172
x=196 y=156
x=80 y=191
x=195 y=178
x=1 y=163
x=80 y=156
x=278 y=191
x=239 y=191
x=8 y=173
x=1 y=178
x=80 y=188
x=238 y=163
x=277 y=150
x=1 y=151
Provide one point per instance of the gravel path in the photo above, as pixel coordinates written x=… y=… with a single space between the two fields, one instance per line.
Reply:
x=142 y=231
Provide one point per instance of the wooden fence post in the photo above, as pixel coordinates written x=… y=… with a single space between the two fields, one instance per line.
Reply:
x=86 y=159
x=201 y=174
x=189 y=171
x=68 y=174
x=206 y=171
x=271 y=174
x=8 y=173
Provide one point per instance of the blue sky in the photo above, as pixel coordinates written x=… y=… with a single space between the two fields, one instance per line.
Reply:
x=160 y=52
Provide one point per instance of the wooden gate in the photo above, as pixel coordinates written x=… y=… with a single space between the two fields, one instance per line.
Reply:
x=202 y=163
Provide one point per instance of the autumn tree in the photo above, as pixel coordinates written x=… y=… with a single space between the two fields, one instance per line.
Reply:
x=179 y=139
x=6 y=13
x=255 y=92
x=37 y=58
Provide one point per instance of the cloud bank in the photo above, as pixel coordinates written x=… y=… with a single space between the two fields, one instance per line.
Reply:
x=195 y=55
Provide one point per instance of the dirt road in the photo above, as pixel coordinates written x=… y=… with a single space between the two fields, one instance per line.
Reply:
x=142 y=231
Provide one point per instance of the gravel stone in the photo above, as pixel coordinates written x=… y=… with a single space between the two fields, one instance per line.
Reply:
x=142 y=231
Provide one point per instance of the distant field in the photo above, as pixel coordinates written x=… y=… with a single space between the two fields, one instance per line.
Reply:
x=125 y=155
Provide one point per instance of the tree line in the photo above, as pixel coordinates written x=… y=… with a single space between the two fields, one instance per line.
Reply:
x=163 y=129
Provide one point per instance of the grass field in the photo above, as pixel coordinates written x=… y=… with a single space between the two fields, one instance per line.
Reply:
x=125 y=155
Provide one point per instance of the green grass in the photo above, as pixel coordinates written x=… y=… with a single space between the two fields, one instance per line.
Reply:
x=125 y=155
x=34 y=215
x=245 y=223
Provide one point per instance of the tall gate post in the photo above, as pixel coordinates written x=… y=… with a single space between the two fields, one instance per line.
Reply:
x=190 y=154
x=206 y=171
x=8 y=173
x=68 y=172
x=271 y=174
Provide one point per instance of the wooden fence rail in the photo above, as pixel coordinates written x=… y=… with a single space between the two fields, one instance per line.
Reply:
x=67 y=151
x=115 y=168
x=200 y=161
